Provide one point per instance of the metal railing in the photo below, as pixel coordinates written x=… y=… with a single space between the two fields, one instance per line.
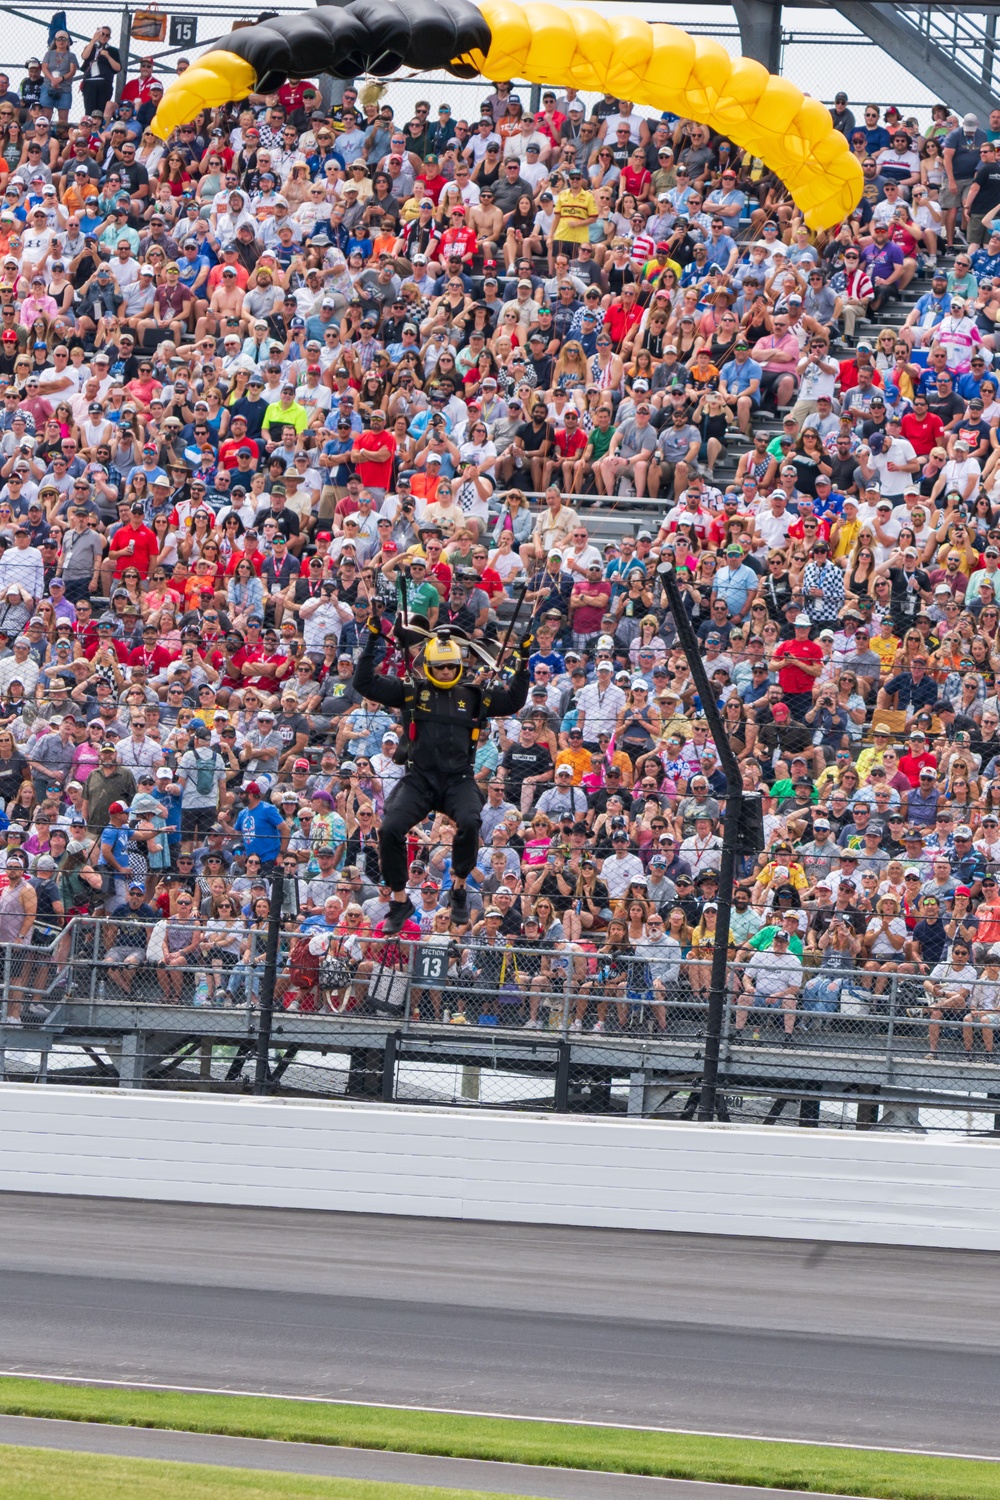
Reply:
x=968 y=39
x=455 y=1021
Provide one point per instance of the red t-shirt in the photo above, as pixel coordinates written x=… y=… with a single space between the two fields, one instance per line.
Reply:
x=923 y=435
x=463 y=238
x=376 y=473
x=490 y=582
x=442 y=576
x=570 y=444
x=587 y=617
x=291 y=94
x=791 y=677
x=120 y=648
x=242 y=276
x=229 y=449
x=155 y=660
x=431 y=187
x=143 y=553
x=849 y=376
x=618 y=322
x=137 y=92
x=910 y=765
x=239 y=658
x=635 y=180
x=797 y=531
x=257 y=653
x=255 y=559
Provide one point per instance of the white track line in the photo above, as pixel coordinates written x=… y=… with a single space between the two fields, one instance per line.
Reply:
x=502 y=1416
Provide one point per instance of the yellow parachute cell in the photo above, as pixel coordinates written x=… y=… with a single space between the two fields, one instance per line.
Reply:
x=693 y=76
x=211 y=82
x=659 y=66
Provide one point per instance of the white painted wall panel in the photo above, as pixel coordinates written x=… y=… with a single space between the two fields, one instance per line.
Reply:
x=801 y=1184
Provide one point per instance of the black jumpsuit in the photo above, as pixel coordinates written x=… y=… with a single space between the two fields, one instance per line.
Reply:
x=439 y=777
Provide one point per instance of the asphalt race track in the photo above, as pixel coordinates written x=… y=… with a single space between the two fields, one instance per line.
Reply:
x=844 y=1344
x=366 y=1463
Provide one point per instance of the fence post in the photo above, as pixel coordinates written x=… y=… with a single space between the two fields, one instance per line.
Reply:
x=567 y=996
x=389 y=1067
x=726 y=1037
x=410 y=950
x=891 y=1027
x=124 y=38
x=267 y=981
x=5 y=994
x=561 y=1101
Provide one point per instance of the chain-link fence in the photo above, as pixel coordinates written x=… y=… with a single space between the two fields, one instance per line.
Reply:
x=500 y=1023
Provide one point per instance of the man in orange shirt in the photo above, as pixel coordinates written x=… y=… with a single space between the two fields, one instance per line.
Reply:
x=573 y=754
x=987 y=918
x=228 y=259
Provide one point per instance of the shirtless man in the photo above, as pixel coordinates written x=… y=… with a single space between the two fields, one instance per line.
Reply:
x=227 y=302
x=486 y=222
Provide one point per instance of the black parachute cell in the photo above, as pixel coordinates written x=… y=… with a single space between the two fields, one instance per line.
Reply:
x=264 y=47
x=367 y=36
x=386 y=36
x=432 y=35
x=472 y=34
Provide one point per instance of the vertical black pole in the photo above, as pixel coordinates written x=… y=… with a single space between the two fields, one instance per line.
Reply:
x=124 y=39
x=730 y=842
x=261 y=1074
x=720 y=958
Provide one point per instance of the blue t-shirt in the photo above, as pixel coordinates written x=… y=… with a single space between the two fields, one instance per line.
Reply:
x=259 y=829
x=117 y=840
x=190 y=270
x=550 y=659
x=738 y=377
x=985 y=264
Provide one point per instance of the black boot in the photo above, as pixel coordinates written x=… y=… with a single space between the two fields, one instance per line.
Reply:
x=459 y=903
x=398 y=913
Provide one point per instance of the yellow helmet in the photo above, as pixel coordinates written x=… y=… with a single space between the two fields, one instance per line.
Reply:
x=442 y=652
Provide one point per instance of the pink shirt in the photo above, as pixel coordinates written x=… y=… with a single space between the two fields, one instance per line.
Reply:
x=788 y=345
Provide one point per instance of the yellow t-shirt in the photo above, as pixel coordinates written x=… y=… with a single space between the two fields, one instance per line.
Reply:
x=885 y=648
x=796 y=875
x=846 y=538
x=870 y=756
x=573 y=212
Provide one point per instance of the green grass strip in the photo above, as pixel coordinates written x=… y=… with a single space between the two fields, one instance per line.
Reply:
x=39 y=1474
x=839 y=1471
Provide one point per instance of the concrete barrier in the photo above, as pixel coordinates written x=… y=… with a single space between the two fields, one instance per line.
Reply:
x=715 y=1179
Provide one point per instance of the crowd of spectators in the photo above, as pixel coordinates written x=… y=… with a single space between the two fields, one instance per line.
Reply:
x=251 y=376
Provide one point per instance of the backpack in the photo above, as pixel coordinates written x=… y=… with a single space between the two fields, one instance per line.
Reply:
x=205 y=774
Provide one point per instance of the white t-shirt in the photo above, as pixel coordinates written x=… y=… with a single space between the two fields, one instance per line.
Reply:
x=894 y=482
x=774 y=529
x=612 y=123
x=951 y=977
x=881 y=947
x=815 y=383
x=958 y=472
x=517 y=145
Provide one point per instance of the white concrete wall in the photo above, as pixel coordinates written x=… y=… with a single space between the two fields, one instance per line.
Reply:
x=797 y=1184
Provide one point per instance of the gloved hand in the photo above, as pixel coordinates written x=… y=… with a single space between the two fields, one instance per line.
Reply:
x=525 y=648
x=374 y=623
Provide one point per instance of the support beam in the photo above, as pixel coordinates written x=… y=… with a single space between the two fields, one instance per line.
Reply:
x=760 y=31
x=891 y=30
